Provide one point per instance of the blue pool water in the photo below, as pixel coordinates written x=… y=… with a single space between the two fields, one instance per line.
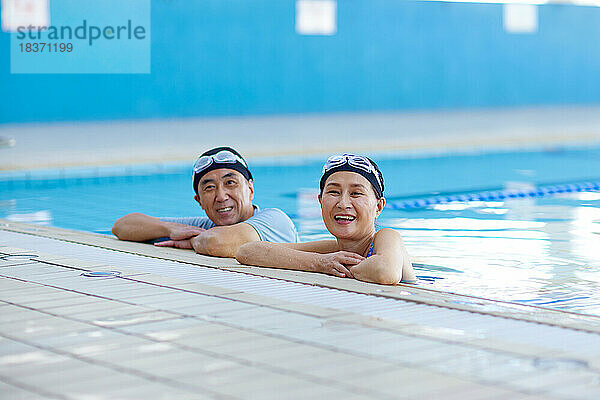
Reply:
x=540 y=251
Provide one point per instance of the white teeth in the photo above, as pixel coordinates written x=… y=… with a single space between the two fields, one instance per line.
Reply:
x=344 y=217
x=225 y=209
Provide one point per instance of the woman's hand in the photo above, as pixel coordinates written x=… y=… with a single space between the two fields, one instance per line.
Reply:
x=338 y=263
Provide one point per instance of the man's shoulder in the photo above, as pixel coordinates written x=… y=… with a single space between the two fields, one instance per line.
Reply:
x=273 y=216
x=275 y=212
x=273 y=225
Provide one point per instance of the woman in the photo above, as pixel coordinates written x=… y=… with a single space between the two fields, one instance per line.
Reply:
x=351 y=199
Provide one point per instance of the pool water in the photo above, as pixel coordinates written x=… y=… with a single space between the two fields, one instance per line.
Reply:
x=540 y=251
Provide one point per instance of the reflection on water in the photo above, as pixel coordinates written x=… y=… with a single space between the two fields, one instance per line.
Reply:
x=429 y=267
x=43 y=217
x=541 y=252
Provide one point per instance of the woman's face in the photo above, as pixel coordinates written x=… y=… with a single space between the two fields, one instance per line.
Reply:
x=349 y=205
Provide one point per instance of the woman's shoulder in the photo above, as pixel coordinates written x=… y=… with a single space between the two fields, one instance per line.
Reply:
x=387 y=233
x=387 y=240
x=389 y=243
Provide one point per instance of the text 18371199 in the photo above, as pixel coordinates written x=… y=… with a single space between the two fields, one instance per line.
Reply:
x=42 y=47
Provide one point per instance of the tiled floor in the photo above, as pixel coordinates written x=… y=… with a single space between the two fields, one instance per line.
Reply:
x=171 y=329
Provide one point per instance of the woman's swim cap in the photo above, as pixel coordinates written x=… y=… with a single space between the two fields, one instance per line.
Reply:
x=354 y=163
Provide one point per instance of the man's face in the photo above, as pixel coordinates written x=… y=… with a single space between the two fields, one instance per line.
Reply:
x=226 y=196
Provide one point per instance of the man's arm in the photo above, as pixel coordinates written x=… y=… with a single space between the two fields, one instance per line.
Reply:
x=220 y=241
x=224 y=241
x=139 y=227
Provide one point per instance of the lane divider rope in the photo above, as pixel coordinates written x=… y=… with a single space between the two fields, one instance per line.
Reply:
x=540 y=191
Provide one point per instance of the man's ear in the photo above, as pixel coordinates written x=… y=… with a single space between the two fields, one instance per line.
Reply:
x=320 y=199
x=197 y=198
x=380 y=206
x=251 y=187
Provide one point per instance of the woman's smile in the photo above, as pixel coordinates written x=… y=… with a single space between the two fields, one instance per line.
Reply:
x=344 y=219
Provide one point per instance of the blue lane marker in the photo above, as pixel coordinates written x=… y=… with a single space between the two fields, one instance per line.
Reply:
x=540 y=191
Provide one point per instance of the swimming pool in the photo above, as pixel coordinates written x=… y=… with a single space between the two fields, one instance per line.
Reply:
x=540 y=251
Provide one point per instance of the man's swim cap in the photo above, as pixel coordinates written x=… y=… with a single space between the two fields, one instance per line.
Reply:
x=354 y=163
x=219 y=157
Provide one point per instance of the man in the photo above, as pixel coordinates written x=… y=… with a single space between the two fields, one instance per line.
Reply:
x=224 y=189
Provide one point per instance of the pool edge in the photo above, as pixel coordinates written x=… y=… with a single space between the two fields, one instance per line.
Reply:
x=410 y=293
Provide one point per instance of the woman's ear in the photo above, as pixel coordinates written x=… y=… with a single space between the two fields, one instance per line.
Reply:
x=380 y=206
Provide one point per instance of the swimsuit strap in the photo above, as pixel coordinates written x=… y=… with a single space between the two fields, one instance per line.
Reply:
x=370 y=253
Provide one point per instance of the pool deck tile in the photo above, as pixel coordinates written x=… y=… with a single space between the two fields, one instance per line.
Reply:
x=579 y=392
x=158 y=391
x=476 y=391
x=13 y=392
x=186 y=332
x=11 y=263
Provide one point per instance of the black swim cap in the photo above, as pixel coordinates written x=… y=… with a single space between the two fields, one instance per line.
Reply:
x=354 y=163
x=219 y=157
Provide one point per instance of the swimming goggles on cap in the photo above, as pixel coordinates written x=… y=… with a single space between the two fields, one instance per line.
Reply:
x=222 y=157
x=359 y=162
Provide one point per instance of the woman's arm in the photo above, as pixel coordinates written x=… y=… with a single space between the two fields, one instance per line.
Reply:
x=299 y=256
x=389 y=263
x=317 y=246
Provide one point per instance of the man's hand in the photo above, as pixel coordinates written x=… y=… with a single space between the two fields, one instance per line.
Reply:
x=181 y=232
x=178 y=244
x=220 y=241
x=194 y=242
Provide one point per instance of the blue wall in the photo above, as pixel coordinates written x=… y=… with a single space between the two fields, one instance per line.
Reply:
x=240 y=57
